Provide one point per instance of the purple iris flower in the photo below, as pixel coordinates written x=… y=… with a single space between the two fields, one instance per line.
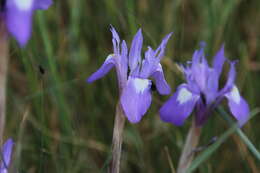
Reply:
x=202 y=93
x=6 y=152
x=133 y=74
x=17 y=15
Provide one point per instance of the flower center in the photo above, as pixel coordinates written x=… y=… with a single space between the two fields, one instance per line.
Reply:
x=184 y=96
x=23 y=4
x=141 y=84
x=2 y=5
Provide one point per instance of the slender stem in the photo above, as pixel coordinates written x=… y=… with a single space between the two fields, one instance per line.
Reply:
x=117 y=139
x=191 y=143
x=3 y=76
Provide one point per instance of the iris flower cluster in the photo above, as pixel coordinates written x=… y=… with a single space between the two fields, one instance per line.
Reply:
x=200 y=92
x=134 y=73
x=17 y=16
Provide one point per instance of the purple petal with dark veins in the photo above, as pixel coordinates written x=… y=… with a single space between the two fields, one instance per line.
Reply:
x=135 y=50
x=109 y=63
x=160 y=82
x=238 y=106
x=7 y=152
x=136 y=98
x=178 y=108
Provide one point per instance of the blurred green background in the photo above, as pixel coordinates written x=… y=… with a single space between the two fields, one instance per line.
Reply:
x=62 y=124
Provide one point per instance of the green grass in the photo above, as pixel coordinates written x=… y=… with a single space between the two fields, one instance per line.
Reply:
x=62 y=124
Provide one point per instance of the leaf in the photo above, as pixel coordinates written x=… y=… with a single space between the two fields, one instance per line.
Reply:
x=211 y=149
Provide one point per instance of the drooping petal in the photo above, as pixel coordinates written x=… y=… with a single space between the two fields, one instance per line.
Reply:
x=42 y=4
x=135 y=51
x=238 y=106
x=160 y=82
x=7 y=152
x=109 y=63
x=177 y=109
x=219 y=61
x=136 y=98
x=19 y=19
x=161 y=49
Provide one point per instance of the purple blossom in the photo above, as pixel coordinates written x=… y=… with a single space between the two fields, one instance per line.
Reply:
x=17 y=15
x=201 y=91
x=134 y=74
x=6 y=152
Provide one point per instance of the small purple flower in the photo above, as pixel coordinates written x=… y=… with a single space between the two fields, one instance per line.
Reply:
x=133 y=74
x=201 y=91
x=17 y=15
x=6 y=152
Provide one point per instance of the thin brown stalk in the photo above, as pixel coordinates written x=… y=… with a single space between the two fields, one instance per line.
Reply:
x=169 y=159
x=191 y=143
x=3 y=76
x=117 y=139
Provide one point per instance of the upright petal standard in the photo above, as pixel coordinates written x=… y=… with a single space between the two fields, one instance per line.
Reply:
x=134 y=74
x=17 y=14
x=202 y=91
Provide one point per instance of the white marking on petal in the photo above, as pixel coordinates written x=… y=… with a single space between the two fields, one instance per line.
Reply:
x=141 y=84
x=24 y=4
x=234 y=94
x=109 y=57
x=184 y=96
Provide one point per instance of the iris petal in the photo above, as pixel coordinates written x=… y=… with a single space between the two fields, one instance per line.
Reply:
x=123 y=61
x=219 y=61
x=231 y=79
x=7 y=152
x=19 y=17
x=19 y=21
x=115 y=40
x=161 y=49
x=136 y=98
x=238 y=106
x=135 y=51
x=212 y=86
x=178 y=108
x=160 y=82
x=42 y=4
x=109 y=63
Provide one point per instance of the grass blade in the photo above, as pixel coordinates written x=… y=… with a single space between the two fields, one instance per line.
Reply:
x=211 y=149
x=240 y=133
